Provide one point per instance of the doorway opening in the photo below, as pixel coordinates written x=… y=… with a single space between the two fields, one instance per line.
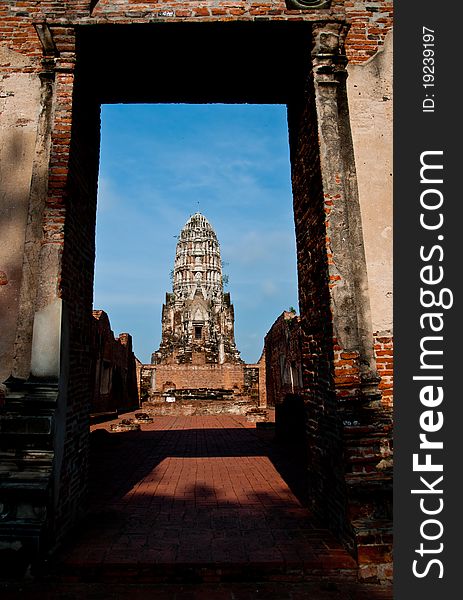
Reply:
x=237 y=71
x=161 y=163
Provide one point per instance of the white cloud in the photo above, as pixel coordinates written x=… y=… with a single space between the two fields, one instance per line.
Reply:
x=107 y=196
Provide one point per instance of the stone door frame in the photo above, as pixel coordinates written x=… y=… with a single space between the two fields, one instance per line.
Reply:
x=57 y=291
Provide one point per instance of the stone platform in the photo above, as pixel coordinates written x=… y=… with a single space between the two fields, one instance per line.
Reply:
x=198 y=406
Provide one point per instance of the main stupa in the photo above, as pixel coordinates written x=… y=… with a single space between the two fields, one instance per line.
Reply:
x=197 y=317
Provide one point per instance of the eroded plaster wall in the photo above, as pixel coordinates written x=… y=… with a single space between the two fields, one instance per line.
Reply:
x=370 y=104
x=20 y=94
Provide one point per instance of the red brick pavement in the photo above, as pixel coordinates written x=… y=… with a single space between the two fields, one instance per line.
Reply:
x=198 y=499
x=230 y=591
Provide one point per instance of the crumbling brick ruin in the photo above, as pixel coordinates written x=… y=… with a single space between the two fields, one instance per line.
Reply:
x=114 y=370
x=283 y=357
x=330 y=63
x=284 y=376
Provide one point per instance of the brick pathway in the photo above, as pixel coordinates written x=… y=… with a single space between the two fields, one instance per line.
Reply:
x=198 y=499
x=220 y=591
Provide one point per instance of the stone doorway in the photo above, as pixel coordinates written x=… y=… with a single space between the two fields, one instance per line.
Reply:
x=300 y=64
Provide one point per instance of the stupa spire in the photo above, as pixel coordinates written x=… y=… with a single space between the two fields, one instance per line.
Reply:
x=198 y=265
x=197 y=318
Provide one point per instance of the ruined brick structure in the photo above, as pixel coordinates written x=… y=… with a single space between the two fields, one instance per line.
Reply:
x=114 y=369
x=283 y=357
x=59 y=62
x=284 y=377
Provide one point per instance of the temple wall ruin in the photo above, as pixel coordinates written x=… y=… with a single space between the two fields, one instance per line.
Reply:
x=230 y=382
x=225 y=377
x=114 y=370
x=283 y=356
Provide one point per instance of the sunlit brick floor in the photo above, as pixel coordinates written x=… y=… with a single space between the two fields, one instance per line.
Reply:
x=199 y=499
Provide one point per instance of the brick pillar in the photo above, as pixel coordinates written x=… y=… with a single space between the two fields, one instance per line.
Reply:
x=37 y=398
x=366 y=424
x=38 y=338
x=352 y=327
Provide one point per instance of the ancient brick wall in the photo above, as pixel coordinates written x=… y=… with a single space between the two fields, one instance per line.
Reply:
x=262 y=366
x=384 y=352
x=138 y=374
x=348 y=433
x=251 y=383
x=370 y=107
x=114 y=369
x=284 y=381
x=70 y=216
x=199 y=376
x=370 y=23
x=370 y=20
x=146 y=378
x=347 y=372
x=183 y=407
x=241 y=380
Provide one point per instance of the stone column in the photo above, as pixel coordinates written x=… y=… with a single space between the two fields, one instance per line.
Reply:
x=366 y=428
x=38 y=338
x=352 y=327
x=26 y=105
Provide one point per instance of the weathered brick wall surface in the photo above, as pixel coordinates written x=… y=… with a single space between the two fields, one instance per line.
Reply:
x=262 y=366
x=146 y=372
x=370 y=93
x=200 y=376
x=69 y=224
x=242 y=380
x=114 y=369
x=252 y=383
x=185 y=408
x=369 y=21
x=369 y=24
x=21 y=100
x=138 y=374
x=348 y=434
x=384 y=352
x=346 y=371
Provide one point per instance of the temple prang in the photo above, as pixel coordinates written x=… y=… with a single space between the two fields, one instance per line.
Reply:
x=197 y=368
x=197 y=317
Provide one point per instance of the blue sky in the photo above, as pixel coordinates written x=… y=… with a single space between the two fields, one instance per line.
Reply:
x=157 y=163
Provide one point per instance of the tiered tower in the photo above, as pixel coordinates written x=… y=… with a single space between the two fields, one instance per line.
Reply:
x=197 y=318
